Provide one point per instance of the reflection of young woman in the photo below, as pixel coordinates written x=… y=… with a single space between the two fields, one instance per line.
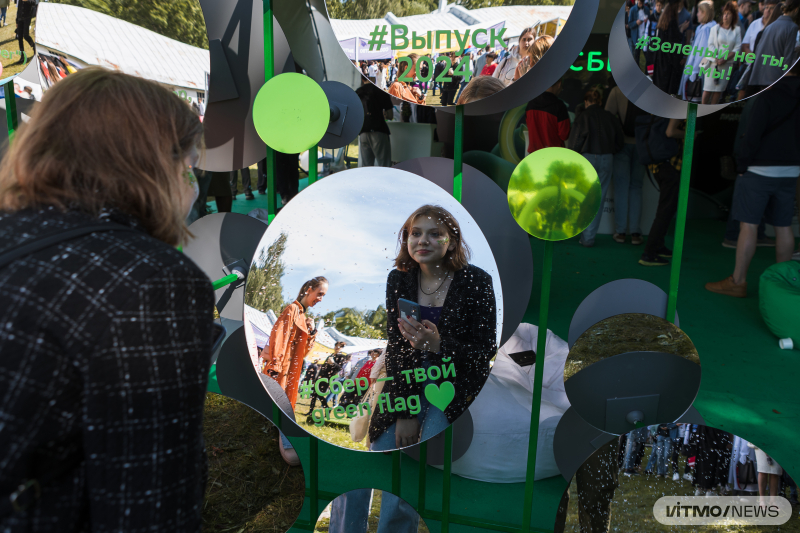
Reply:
x=402 y=90
x=289 y=341
x=457 y=307
x=459 y=323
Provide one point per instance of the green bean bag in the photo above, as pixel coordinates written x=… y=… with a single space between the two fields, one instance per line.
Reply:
x=779 y=300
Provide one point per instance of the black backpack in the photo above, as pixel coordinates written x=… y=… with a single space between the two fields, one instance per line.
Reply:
x=652 y=143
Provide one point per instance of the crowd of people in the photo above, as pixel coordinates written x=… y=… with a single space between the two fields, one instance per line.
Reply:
x=726 y=33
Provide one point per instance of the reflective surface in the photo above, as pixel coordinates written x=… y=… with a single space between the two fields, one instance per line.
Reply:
x=18 y=26
x=448 y=46
x=345 y=229
x=369 y=510
x=618 y=487
x=628 y=333
x=710 y=59
x=554 y=194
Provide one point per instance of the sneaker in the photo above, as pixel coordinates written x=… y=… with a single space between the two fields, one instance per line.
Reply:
x=728 y=288
x=619 y=237
x=727 y=243
x=687 y=477
x=636 y=239
x=262 y=192
x=248 y=195
x=699 y=492
x=586 y=244
x=676 y=477
x=664 y=252
x=652 y=260
x=765 y=241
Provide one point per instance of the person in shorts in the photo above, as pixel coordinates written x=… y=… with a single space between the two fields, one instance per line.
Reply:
x=767 y=187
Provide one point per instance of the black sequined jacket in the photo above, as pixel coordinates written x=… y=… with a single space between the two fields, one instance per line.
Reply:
x=468 y=330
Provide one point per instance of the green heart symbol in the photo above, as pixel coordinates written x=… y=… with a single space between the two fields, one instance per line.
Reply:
x=440 y=396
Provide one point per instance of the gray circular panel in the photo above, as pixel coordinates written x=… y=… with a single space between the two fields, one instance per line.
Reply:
x=575 y=440
x=618 y=297
x=221 y=240
x=347 y=115
x=510 y=245
x=660 y=386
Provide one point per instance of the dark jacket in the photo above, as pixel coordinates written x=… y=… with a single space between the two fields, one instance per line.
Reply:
x=468 y=331
x=26 y=10
x=105 y=350
x=596 y=131
x=547 y=119
x=375 y=102
x=766 y=142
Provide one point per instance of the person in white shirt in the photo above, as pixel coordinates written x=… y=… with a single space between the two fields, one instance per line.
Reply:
x=726 y=35
x=372 y=71
x=380 y=79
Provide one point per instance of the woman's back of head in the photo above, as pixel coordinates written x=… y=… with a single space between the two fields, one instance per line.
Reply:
x=102 y=139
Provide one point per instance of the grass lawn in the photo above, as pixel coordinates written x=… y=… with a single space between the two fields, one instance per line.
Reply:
x=8 y=42
x=334 y=431
x=374 y=514
x=632 y=507
x=250 y=488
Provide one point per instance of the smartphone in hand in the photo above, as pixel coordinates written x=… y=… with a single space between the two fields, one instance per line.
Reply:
x=408 y=309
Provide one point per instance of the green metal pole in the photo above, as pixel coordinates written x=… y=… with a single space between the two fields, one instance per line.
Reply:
x=683 y=204
x=423 y=464
x=541 y=343
x=11 y=109
x=458 y=149
x=448 y=467
x=312 y=165
x=314 y=474
x=269 y=72
x=222 y=282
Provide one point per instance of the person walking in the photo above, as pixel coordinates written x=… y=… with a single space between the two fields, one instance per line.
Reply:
x=770 y=166
x=627 y=172
x=597 y=135
x=374 y=146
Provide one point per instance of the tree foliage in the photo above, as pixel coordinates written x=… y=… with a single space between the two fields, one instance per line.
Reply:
x=181 y=20
x=373 y=9
x=264 y=289
x=355 y=323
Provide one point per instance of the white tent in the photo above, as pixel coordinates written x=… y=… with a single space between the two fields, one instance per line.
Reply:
x=92 y=38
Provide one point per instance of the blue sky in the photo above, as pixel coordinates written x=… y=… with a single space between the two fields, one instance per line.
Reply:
x=345 y=228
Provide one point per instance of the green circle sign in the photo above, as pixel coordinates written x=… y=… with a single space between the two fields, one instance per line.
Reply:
x=291 y=113
x=554 y=194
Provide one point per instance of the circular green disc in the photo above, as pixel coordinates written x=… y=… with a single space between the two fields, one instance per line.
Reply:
x=554 y=194
x=291 y=113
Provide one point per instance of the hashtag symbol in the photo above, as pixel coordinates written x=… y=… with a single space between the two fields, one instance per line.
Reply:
x=305 y=390
x=377 y=38
x=642 y=42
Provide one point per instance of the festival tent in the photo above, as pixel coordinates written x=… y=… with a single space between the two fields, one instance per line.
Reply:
x=358 y=49
x=85 y=37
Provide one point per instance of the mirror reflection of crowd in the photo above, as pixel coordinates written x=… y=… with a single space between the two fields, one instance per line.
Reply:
x=715 y=462
x=731 y=26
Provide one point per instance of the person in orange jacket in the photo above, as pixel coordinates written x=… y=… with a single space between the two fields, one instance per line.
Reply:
x=289 y=341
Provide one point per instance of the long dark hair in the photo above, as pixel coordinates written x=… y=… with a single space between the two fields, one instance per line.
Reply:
x=668 y=15
x=310 y=285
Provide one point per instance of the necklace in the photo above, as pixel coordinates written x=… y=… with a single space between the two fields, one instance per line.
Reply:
x=419 y=279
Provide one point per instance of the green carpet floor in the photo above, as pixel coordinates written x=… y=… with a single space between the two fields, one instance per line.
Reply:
x=749 y=385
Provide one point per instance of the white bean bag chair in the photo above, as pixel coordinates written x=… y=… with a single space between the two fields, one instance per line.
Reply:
x=501 y=414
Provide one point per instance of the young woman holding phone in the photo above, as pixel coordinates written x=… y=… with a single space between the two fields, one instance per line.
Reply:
x=457 y=325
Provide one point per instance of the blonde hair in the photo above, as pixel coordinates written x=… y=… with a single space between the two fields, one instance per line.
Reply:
x=708 y=11
x=103 y=139
x=479 y=88
x=539 y=47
